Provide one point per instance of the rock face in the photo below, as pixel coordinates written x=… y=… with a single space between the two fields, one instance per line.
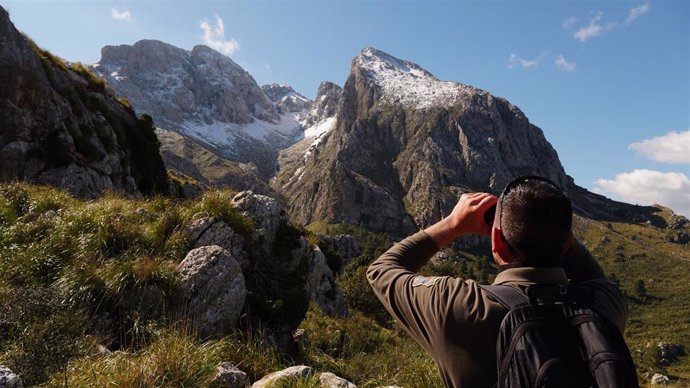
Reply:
x=286 y=98
x=215 y=289
x=322 y=287
x=345 y=246
x=405 y=145
x=207 y=231
x=60 y=125
x=202 y=94
x=325 y=105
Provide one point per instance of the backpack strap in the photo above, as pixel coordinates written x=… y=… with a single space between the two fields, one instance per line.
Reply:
x=509 y=297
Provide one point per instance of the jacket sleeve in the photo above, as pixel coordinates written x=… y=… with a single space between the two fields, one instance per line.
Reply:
x=422 y=305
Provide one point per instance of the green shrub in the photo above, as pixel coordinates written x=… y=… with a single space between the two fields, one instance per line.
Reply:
x=95 y=82
x=217 y=204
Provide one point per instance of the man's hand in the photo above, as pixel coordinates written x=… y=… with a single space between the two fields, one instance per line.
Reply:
x=467 y=217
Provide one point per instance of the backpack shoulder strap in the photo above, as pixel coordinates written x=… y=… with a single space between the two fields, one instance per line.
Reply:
x=509 y=297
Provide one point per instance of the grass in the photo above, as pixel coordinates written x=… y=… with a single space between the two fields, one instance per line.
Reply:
x=82 y=273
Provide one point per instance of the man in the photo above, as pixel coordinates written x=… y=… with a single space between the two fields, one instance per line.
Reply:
x=454 y=319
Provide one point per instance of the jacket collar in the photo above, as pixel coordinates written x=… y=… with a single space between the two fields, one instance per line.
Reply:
x=532 y=275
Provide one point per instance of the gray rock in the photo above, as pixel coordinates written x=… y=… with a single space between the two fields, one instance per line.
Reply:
x=286 y=98
x=207 y=231
x=659 y=379
x=265 y=212
x=229 y=376
x=215 y=289
x=9 y=379
x=345 y=246
x=678 y=222
x=322 y=287
x=679 y=238
x=671 y=351
x=294 y=372
x=330 y=380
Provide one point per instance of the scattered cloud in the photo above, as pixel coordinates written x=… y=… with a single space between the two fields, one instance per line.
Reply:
x=514 y=61
x=569 y=22
x=120 y=15
x=647 y=187
x=636 y=12
x=591 y=30
x=214 y=37
x=673 y=147
x=564 y=65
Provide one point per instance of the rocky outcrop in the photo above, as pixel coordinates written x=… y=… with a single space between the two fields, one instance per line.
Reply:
x=344 y=246
x=215 y=289
x=60 y=125
x=205 y=231
x=678 y=222
x=293 y=372
x=406 y=145
x=265 y=212
x=322 y=287
x=324 y=105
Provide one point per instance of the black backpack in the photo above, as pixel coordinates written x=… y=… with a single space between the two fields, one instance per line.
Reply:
x=552 y=338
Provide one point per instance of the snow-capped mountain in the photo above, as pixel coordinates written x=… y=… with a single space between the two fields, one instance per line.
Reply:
x=202 y=94
x=404 y=145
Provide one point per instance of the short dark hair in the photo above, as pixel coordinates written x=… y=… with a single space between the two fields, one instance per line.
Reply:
x=536 y=221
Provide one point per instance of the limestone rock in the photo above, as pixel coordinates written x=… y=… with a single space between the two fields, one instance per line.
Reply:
x=330 y=380
x=286 y=98
x=322 y=287
x=215 y=289
x=207 y=231
x=229 y=376
x=9 y=379
x=659 y=379
x=325 y=104
x=345 y=246
x=295 y=372
x=265 y=212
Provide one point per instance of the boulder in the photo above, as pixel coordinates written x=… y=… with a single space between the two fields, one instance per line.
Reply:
x=294 y=372
x=678 y=222
x=215 y=289
x=322 y=287
x=330 y=380
x=229 y=376
x=9 y=379
x=659 y=379
x=679 y=238
x=265 y=212
x=209 y=231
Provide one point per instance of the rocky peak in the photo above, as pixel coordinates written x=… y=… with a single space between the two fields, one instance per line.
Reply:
x=286 y=98
x=405 y=146
x=325 y=104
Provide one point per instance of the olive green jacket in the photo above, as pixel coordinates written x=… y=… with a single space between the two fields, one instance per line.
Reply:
x=455 y=321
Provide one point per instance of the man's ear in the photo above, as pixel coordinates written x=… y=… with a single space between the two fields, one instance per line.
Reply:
x=499 y=247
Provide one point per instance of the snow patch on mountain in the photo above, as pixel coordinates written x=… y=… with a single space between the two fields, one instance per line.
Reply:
x=404 y=82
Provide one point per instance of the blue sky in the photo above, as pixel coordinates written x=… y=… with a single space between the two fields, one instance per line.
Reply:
x=608 y=82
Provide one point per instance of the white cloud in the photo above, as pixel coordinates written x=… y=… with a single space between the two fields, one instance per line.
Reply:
x=636 y=12
x=120 y=15
x=514 y=60
x=214 y=37
x=564 y=65
x=569 y=22
x=673 y=147
x=591 y=30
x=647 y=187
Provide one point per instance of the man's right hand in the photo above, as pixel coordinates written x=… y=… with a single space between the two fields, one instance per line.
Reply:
x=467 y=217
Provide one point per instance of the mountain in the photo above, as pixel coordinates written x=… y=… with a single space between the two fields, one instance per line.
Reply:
x=61 y=125
x=405 y=145
x=201 y=94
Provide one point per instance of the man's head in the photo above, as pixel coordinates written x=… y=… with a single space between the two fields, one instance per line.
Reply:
x=532 y=224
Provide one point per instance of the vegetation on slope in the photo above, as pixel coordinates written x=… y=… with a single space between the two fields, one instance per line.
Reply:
x=90 y=294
